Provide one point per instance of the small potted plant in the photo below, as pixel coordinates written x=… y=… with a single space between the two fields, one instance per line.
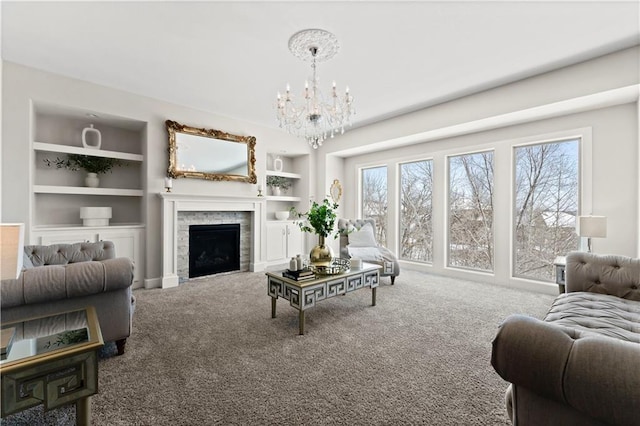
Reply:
x=92 y=165
x=278 y=184
x=319 y=220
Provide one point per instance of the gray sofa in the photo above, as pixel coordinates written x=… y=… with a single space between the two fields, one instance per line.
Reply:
x=377 y=254
x=64 y=277
x=581 y=364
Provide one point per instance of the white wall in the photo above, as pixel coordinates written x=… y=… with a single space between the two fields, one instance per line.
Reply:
x=22 y=84
x=600 y=96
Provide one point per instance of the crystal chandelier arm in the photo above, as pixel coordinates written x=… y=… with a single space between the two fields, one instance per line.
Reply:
x=315 y=118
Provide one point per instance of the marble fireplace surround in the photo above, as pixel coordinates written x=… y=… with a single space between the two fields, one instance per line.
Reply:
x=172 y=204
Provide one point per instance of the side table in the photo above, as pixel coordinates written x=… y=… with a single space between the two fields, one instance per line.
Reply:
x=560 y=264
x=52 y=360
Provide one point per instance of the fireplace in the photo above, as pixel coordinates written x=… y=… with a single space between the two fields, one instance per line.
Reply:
x=179 y=211
x=213 y=249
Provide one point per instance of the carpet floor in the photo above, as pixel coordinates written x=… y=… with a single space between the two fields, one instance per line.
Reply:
x=209 y=353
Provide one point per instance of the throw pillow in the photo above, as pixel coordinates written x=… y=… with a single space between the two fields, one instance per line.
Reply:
x=363 y=237
x=26 y=262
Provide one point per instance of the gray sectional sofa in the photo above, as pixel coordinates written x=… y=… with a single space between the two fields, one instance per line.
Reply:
x=581 y=364
x=64 y=277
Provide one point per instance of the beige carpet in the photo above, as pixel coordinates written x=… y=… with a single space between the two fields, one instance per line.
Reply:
x=209 y=353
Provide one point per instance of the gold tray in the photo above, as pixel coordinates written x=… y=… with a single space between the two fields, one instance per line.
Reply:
x=335 y=267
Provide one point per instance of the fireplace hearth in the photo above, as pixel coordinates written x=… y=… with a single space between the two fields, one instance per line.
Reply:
x=213 y=249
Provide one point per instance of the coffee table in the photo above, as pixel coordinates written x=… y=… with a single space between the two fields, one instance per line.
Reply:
x=303 y=295
x=52 y=360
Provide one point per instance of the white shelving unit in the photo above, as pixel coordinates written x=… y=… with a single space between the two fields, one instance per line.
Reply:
x=65 y=149
x=58 y=194
x=79 y=190
x=284 y=237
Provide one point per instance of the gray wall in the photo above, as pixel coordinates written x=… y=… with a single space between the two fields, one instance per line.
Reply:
x=22 y=84
x=486 y=120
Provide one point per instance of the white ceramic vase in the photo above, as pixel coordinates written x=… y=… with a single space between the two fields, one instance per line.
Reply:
x=91 y=137
x=92 y=180
x=277 y=164
x=275 y=191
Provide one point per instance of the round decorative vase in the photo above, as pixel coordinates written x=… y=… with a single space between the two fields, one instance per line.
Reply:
x=321 y=254
x=91 y=137
x=275 y=190
x=277 y=164
x=92 y=180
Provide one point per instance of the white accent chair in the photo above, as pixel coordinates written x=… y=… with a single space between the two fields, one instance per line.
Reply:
x=363 y=245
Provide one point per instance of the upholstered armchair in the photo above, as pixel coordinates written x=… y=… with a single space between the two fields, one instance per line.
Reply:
x=65 y=277
x=357 y=240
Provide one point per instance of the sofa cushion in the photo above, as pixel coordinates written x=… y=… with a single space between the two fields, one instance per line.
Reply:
x=362 y=237
x=62 y=254
x=45 y=284
x=599 y=314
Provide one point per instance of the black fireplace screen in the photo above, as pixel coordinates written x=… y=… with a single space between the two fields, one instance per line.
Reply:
x=213 y=249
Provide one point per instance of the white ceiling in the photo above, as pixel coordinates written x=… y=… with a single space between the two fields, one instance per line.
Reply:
x=232 y=57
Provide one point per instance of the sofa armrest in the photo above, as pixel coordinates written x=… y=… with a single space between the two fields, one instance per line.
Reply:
x=55 y=282
x=598 y=376
x=615 y=275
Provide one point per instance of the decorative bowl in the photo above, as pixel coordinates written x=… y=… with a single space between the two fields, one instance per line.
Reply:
x=282 y=215
x=335 y=267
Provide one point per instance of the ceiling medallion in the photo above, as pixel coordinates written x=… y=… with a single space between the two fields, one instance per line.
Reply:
x=315 y=117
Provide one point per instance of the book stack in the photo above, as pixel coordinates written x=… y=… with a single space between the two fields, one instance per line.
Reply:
x=302 y=275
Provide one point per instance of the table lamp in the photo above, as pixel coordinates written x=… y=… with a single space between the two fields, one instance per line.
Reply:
x=11 y=250
x=592 y=226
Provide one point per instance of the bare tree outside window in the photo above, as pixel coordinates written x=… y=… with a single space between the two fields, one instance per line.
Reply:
x=546 y=204
x=471 y=211
x=416 y=226
x=374 y=199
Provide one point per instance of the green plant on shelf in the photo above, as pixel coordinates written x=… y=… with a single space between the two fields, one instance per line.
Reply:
x=88 y=163
x=278 y=182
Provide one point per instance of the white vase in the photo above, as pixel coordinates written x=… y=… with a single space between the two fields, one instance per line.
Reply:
x=92 y=180
x=91 y=137
x=277 y=164
x=275 y=191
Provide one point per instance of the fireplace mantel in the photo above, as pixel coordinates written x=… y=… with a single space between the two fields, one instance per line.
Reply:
x=174 y=203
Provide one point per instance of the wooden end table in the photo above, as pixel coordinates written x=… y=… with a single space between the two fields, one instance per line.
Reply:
x=52 y=360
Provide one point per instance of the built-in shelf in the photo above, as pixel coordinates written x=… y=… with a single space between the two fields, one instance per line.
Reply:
x=282 y=198
x=85 y=228
x=66 y=149
x=283 y=174
x=81 y=190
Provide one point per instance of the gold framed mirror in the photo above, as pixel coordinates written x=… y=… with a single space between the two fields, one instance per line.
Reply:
x=336 y=191
x=210 y=154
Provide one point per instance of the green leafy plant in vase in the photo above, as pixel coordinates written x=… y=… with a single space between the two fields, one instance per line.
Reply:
x=89 y=163
x=320 y=220
x=278 y=184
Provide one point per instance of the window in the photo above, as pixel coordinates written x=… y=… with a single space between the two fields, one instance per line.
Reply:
x=374 y=199
x=416 y=183
x=471 y=211
x=546 y=204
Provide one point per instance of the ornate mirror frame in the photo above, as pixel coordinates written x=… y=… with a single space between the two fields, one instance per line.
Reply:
x=336 y=191
x=174 y=128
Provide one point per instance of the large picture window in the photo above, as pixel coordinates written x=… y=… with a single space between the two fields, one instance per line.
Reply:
x=416 y=227
x=374 y=199
x=546 y=204
x=471 y=211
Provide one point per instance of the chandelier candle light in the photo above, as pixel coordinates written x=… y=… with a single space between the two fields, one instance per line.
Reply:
x=315 y=118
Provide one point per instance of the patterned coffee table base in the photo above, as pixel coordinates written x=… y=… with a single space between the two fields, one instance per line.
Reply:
x=303 y=296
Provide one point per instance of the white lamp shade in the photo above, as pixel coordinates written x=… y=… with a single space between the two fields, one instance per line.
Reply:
x=11 y=250
x=592 y=226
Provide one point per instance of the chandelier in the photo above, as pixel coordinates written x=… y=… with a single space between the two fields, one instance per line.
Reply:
x=314 y=117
